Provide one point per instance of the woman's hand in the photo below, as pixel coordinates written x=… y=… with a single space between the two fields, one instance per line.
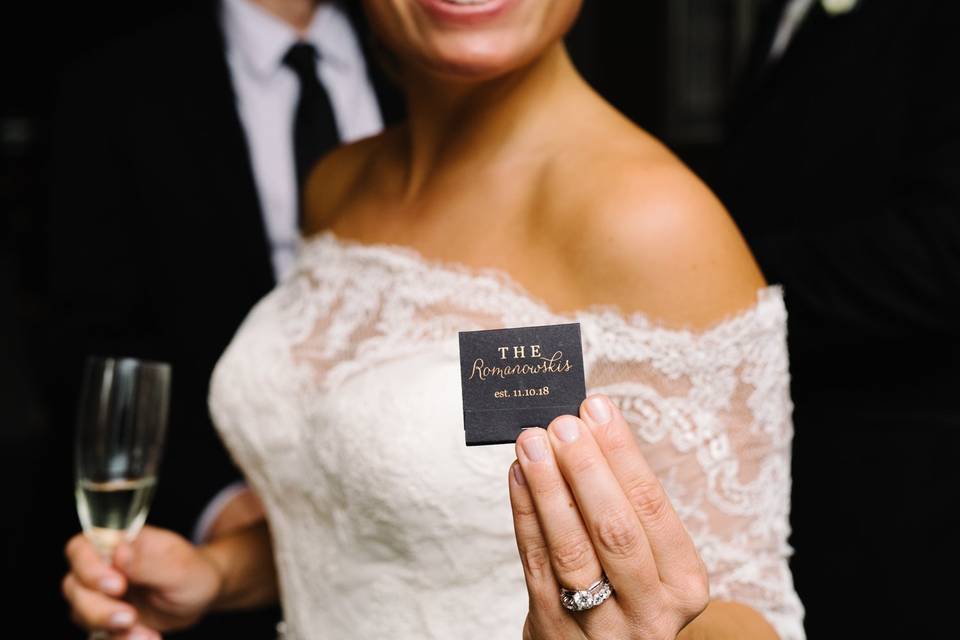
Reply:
x=585 y=503
x=158 y=583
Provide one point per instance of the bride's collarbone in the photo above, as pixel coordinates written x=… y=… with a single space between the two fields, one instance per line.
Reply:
x=649 y=239
x=541 y=262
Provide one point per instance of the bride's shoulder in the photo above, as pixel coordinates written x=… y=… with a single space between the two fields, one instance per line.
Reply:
x=338 y=175
x=652 y=237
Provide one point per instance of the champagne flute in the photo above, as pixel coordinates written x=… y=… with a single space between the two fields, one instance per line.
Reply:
x=121 y=423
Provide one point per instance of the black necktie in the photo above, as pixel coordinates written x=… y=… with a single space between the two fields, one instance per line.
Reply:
x=314 y=127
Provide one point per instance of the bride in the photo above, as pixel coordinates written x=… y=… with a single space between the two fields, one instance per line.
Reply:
x=513 y=196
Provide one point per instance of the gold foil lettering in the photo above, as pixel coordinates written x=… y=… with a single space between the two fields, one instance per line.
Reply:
x=554 y=364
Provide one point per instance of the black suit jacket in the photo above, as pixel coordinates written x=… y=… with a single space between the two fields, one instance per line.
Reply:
x=159 y=247
x=843 y=171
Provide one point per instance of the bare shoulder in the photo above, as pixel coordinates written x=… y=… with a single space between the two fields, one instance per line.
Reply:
x=651 y=237
x=335 y=179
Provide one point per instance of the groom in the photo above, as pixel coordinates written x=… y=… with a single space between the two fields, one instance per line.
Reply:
x=843 y=171
x=180 y=157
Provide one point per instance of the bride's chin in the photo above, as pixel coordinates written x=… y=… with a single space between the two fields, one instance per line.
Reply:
x=476 y=64
x=466 y=71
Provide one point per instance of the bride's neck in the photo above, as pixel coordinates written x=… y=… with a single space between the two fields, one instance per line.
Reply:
x=457 y=125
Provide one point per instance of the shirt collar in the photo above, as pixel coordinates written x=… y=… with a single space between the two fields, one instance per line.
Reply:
x=334 y=36
x=263 y=39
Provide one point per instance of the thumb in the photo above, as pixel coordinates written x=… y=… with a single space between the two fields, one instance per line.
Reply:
x=155 y=559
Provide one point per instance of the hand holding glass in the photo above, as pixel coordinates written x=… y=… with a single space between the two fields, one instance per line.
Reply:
x=121 y=424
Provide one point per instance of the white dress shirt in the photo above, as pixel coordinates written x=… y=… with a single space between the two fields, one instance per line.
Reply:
x=267 y=92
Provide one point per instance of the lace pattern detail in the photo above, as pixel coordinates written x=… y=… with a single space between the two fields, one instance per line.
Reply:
x=340 y=399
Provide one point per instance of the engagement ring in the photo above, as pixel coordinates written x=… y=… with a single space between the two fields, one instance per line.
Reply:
x=586 y=598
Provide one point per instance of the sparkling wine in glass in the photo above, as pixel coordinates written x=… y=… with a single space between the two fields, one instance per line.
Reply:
x=121 y=423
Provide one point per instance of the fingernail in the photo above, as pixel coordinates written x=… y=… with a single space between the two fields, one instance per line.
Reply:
x=518 y=474
x=566 y=428
x=535 y=448
x=123 y=618
x=599 y=409
x=139 y=635
x=111 y=584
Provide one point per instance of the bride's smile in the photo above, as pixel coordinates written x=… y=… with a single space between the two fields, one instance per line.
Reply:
x=470 y=40
x=467 y=12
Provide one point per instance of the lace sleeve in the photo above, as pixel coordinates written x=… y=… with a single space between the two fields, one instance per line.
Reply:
x=713 y=413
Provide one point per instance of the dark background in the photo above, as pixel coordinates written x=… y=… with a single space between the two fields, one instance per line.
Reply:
x=667 y=64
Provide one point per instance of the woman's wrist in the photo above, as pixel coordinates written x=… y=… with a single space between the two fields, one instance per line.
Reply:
x=213 y=554
x=243 y=563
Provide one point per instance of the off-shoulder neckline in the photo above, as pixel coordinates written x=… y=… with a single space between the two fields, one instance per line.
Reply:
x=405 y=255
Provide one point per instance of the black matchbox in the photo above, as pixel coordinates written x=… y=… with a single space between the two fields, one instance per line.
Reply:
x=517 y=378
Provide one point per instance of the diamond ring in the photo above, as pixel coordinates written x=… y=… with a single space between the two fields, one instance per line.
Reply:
x=586 y=598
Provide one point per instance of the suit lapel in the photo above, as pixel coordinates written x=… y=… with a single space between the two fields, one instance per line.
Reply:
x=767 y=25
x=392 y=106
x=214 y=134
x=805 y=35
x=761 y=72
x=760 y=66
x=389 y=96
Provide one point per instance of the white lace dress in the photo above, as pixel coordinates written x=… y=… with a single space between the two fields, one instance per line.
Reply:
x=340 y=399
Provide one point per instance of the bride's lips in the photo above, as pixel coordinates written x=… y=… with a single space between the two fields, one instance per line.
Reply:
x=466 y=12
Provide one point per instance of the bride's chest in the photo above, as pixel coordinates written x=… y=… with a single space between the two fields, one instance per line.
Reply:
x=353 y=386
x=348 y=374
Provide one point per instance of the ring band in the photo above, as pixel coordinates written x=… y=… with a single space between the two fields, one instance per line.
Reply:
x=584 y=599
